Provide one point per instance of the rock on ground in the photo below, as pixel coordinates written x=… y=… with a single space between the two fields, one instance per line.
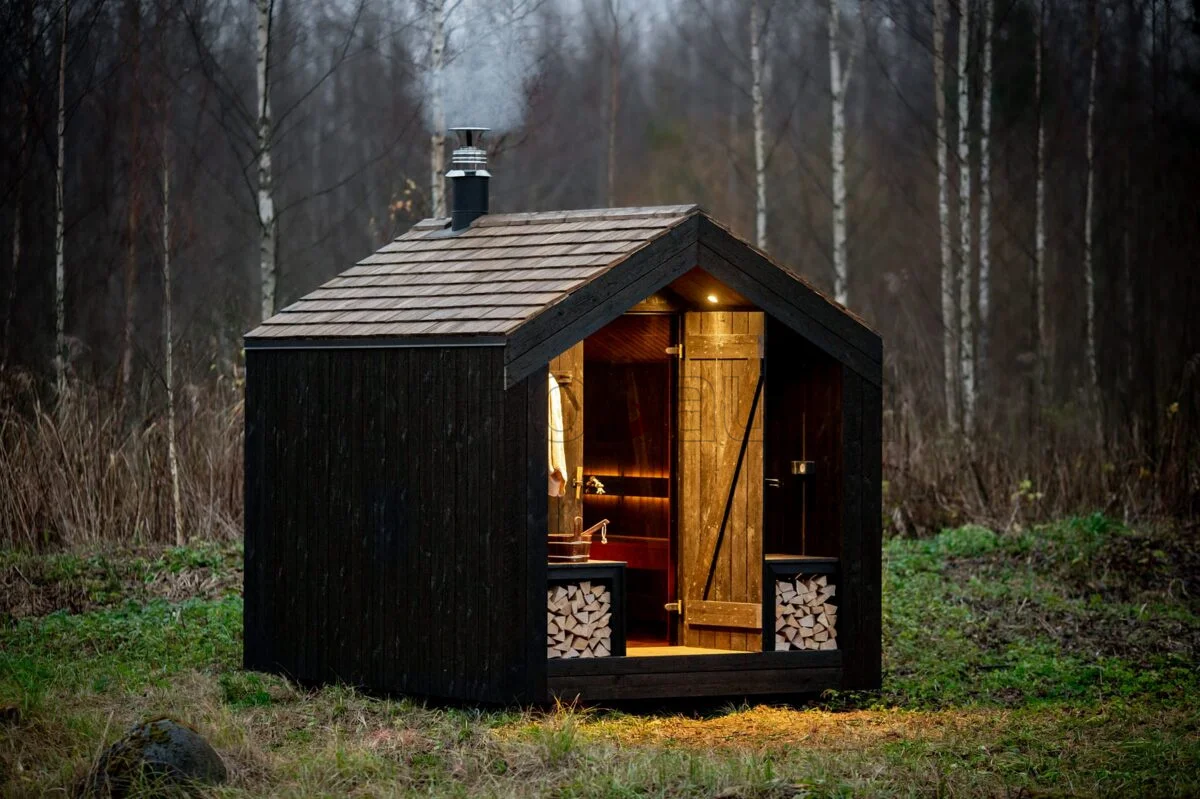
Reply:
x=161 y=752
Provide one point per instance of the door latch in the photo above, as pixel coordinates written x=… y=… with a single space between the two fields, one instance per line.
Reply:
x=803 y=467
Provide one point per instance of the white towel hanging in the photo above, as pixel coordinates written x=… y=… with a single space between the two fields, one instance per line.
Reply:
x=557 y=460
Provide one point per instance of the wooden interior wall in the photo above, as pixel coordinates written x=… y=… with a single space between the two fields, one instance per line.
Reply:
x=719 y=373
x=803 y=422
x=388 y=506
x=564 y=509
x=629 y=449
x=629 y=425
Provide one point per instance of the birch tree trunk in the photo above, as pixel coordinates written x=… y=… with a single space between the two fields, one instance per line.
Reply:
x=949 y=328
x=985 y=198
x=437 y=142
x=1039 y=236
x=614 y=100
x=760 y=154
x=837 y=156
x=168 y=344
x=966 y=335
x=267 y=225
x=1088 y=273
x=60 y=283
x=133 y=210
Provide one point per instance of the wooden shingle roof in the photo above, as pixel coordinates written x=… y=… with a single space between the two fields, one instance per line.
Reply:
x=486 y=280
x=537 y=283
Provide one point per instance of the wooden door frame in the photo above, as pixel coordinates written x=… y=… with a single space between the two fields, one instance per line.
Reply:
x=674 y=620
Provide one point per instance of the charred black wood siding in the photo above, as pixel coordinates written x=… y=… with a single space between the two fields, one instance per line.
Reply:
x=862 y=529
x=521 y=484
x=389 y=501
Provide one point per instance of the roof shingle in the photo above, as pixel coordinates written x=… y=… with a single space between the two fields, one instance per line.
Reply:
x=485 y=280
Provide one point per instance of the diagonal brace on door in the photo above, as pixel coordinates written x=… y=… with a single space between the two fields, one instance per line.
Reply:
x=737 y=471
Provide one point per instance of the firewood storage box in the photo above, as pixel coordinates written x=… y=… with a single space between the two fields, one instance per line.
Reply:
x=590 y=578
x=800 y=603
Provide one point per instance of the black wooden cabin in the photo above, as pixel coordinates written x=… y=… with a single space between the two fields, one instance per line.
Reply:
x=397 y=464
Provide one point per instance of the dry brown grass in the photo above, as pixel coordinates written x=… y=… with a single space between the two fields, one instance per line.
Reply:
x=78 y=473
x=765 y=727
x=1022 y=473
x=339 y=742
x=81 y=471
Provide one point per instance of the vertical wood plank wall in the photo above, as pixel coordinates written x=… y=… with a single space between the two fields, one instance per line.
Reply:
x=803 y=515
x=387 y=518
x=861 y=559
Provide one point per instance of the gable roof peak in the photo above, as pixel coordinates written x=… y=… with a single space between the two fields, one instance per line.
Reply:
x=550 y=217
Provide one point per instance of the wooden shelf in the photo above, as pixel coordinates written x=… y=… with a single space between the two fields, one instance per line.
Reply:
x=633 y=487
x=583 y=564
x=809 y=564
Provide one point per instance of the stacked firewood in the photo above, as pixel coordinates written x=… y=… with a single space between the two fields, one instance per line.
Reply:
x=804 y=618
x=577 y=621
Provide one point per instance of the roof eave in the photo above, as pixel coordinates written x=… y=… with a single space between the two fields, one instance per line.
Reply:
x=251 y=342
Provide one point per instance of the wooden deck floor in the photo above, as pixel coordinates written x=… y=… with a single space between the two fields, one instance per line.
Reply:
x=659 y=672
x=662 y=651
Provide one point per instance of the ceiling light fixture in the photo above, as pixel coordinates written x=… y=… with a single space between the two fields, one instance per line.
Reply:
x=712 y=298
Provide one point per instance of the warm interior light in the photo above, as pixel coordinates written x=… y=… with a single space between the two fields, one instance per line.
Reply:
x=712 y=298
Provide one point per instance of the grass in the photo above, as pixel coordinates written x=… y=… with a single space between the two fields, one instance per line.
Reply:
x=1024 y=663
x=36 y=585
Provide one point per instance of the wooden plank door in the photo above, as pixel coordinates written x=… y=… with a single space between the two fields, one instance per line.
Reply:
x=567 y=368
x=719 y=374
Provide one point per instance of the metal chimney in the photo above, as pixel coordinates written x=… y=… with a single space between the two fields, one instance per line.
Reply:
x=469 y=177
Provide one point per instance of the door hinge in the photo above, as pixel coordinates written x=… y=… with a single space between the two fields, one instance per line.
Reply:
x=773 y=482
x=674 y=607
x=677 y=351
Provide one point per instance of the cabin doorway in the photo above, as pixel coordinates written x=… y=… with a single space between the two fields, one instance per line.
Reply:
x=661 y=429
x=630 y=449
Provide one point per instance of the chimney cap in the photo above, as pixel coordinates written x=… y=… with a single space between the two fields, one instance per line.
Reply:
x=469 y=158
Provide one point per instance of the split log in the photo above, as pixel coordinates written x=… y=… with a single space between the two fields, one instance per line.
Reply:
x=804 y=618
x=578 y=620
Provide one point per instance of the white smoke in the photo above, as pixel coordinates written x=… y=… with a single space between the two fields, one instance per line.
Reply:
x=490 y=61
